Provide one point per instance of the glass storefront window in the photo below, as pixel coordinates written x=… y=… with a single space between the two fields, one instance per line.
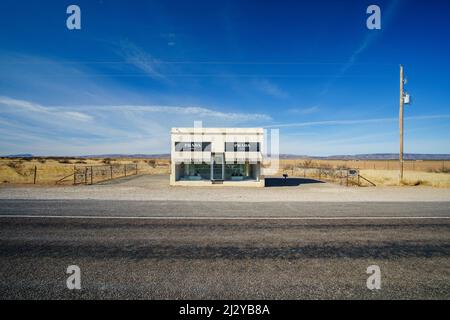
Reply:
x=202 y=171
x=195 y=171
x=236 y=171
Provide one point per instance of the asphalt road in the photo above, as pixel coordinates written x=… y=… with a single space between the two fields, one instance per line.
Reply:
x=124 y=208
x=239 y=258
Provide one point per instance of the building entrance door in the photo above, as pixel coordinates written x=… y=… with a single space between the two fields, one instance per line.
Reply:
x=217 y=166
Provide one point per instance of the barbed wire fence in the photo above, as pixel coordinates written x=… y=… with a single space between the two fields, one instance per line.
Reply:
x=98 y=173
x=344 y=176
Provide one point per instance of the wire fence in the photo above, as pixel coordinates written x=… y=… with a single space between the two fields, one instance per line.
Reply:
x=75 y=171
x=99 y=173
x=343 y=176
x=408 y=165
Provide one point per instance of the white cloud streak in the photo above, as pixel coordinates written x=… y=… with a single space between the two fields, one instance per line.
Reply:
x=269 y=88
x=140 y=59
x=355 y=122
x=90 y=129
x=199 y=112
x=34 y=107
x=304 y=111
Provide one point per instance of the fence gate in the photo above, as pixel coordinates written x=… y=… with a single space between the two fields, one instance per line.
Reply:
x=98 y=173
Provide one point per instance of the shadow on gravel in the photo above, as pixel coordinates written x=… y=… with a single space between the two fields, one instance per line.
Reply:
x=289 y=182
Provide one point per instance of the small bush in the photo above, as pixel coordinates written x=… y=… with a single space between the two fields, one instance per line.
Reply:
x=440 y=170
x=163 y=164
x=64 y=161
x=288 y=167
x=412 y=182
x=20 y=168
x=15 y=164
x=308 y=163
x=152 y=163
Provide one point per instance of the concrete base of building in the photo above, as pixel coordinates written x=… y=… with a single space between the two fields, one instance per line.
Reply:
x=208 y=183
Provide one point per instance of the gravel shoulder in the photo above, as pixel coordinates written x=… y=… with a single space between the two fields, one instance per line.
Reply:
x=156 y=187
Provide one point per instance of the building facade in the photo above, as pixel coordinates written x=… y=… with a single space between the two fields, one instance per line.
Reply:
x=217 y=156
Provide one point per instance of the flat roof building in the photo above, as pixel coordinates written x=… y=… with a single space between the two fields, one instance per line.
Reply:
x=209 y=156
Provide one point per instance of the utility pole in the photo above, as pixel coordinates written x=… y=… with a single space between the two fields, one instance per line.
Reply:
x=405 y=98
x=401 y=124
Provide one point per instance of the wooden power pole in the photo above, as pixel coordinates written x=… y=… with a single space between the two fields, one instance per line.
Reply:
x=401 y=124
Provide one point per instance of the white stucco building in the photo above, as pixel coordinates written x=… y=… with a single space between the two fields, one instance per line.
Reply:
x=217 y=156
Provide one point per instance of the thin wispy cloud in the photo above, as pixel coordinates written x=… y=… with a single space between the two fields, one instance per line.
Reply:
x=49 y=111
x=82 y=129
x=355 y=121
x=134 y=55
x=304 y=111
x=269 y=88
x=199 y=112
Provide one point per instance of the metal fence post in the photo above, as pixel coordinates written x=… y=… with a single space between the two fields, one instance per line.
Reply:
x=85 y=175
x=110 y=168
x=136 y=169
x=35 y=170
x=74 y=175
x=92 y=175
x=347 y=179
x=125 y=169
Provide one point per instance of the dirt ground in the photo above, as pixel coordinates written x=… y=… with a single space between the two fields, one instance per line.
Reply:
x=156 y=187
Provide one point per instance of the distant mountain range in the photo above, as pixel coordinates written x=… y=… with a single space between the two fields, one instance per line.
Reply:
x=366 y=156
x=20 y=155
x=153 y=156
x=101 y=156
x=372 y=156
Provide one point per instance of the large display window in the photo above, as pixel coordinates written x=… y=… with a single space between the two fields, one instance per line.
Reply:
x=195 y=171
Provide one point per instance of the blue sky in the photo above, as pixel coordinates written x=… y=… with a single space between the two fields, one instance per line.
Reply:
x=136 y=69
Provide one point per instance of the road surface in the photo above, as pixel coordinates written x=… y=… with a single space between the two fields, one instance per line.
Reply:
x=222 y=250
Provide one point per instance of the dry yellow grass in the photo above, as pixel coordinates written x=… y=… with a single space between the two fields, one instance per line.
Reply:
x=409 y=165
x=48 y=171
x=410 y=178
x=381 y=177
x=21 y=171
